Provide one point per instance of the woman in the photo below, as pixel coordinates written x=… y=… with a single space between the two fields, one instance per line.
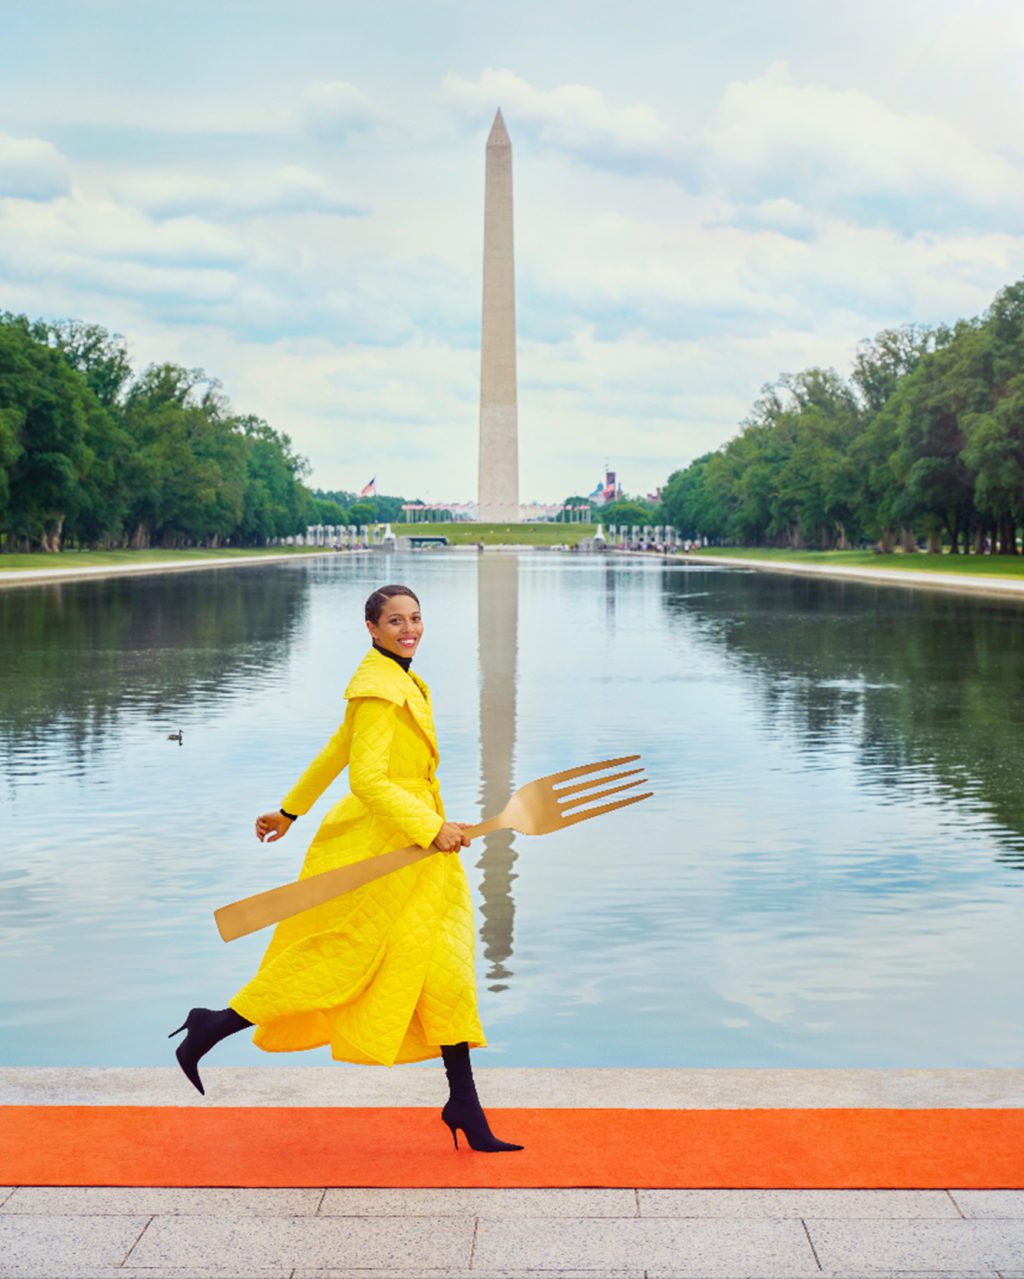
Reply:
x=384 y=974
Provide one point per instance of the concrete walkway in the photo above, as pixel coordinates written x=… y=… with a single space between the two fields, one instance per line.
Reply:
x=68 y=572
x=964 y=583
x=342 y=1233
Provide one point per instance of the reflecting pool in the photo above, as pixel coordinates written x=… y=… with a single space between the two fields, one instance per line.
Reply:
x=828 y=874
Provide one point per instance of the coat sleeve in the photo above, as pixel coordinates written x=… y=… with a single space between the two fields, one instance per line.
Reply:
x=373 y=730
x=321 y=772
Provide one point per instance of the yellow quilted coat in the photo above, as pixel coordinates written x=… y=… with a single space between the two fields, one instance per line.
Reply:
x=384 y=974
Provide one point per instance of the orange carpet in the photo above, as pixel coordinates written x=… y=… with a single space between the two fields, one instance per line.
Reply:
x=314 y=1146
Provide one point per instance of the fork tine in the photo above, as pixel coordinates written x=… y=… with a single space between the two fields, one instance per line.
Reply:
x=603 y=808
x=554 y=779
x=612 y=790
x=595 y=781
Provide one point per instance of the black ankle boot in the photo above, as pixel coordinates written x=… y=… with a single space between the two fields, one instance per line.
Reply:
x=205 y=1027
x=463 y=1109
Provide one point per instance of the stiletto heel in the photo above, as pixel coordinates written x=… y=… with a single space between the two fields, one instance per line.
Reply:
x=469 y=1116
x=205 y=1028
x=463 y=1109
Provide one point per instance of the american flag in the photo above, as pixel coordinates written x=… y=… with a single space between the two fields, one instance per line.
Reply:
x=370 y=490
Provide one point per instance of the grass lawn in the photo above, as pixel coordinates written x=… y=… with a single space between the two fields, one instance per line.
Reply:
x=982 y=565
x=91 y=559
x=461 y=534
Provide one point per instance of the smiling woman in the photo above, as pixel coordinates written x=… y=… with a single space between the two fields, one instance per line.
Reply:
x=385 y=973
x=394 y=621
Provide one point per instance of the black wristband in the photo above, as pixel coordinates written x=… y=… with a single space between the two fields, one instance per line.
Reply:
x=291 y=816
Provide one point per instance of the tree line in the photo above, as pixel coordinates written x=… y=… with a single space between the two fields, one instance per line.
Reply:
x=336 y=506
x=924 y=443
x=94 y=456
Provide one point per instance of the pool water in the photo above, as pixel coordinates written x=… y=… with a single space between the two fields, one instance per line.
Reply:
x=828 y=874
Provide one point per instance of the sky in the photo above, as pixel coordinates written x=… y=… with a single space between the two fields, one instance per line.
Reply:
x=290 y=196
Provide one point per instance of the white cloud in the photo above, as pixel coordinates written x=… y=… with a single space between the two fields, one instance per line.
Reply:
x=88 y=251
x=841 y=149
x=780 y=214
x=77 y=227
x=32 y=169
x=780 y=150
x=246 y=192
x=570 y=117
x=332 y=109
x=646 y=256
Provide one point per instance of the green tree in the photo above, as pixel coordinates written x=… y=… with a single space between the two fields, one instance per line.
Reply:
x=43 y=409
x=685 y=501
x=273 y=503
x=627 y=510
x=325 y=511
x=101 y=357
x=190 y=465
x=364 y=512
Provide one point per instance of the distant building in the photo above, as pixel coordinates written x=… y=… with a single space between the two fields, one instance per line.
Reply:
x=609 y=491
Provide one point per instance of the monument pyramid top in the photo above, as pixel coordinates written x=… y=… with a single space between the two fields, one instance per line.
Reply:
x=498 y=136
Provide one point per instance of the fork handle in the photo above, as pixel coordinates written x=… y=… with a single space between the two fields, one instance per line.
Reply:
x=485 y=828
x=270 y=907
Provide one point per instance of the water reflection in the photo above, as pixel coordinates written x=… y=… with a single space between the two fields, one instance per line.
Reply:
x=498 y=629
x=609 y=594
x=78 y=655
x=825 y=875
x=924 y=688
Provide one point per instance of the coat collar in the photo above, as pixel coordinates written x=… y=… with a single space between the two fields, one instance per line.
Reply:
x=378 y=676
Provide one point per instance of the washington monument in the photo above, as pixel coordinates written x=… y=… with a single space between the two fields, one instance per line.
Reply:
x=499 y=430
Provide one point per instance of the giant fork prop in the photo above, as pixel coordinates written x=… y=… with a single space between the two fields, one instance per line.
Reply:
x=538 y=808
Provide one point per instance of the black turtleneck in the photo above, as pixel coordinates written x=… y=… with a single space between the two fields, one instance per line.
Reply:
x=403 y=662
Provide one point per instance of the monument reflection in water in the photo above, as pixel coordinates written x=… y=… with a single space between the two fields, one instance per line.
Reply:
x=498 y=630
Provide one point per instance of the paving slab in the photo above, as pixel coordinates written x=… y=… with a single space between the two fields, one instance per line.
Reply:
x=918 y=1245
x=689 y=1245
x=476 y=1202
x=160 y=1201
x=5 y=1194
x=65 y=1246
x=959 y=1273
x=604 y=1273
x=314 y=1242
x=798 y=1203
x=859 y=1273
x=424 y=1084
x=862 y=1273
x=185 y=1272
x=989 y=1203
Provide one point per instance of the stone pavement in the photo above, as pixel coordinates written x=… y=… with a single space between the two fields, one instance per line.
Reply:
x=622 y=1233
